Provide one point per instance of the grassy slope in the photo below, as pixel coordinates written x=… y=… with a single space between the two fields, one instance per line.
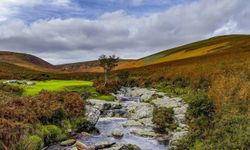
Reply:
x=224 y=75
x=212 y=46
x=227 y=73
x=8 y=70
x=54 y=85
x=216 y=45
x=83 y=87
x=26 y=60
x=89 y=66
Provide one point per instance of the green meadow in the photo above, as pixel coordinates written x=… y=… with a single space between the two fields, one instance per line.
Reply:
x=54 y=85
x=83 y=87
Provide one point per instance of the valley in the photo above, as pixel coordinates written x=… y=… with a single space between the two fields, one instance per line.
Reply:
x=193 y=95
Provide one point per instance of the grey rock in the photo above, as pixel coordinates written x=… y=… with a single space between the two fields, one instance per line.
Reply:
x=144 y=133
x=139 y=110
x=147 y=122
x=165 y=102
x=104 y=144
x=176 y=136
x=30 y=83
x=68 y=142
x=132 y=123
x=123 y=147
x=104 y=105
x=117 y=133
x=92 y=115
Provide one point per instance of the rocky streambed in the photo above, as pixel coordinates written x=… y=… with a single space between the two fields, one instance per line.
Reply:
x=126 y=124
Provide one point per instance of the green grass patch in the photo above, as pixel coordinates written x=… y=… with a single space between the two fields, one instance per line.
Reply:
x=106 y=97
x=93 y=94
x=54 y=85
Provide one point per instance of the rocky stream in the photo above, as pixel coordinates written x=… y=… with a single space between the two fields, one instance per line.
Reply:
x=126 y=124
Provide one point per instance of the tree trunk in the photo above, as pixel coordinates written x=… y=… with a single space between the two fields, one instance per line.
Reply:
x=105 y=77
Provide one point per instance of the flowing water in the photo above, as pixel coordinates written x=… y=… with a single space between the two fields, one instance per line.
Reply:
x=106 y=125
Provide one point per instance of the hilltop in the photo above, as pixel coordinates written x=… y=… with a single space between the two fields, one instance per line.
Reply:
x=213 y=46
x=26 y=61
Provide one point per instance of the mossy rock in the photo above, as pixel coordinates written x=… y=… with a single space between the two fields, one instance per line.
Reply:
x=68 y=142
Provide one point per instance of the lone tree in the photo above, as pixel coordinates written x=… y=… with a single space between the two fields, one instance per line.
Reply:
x=108 y=63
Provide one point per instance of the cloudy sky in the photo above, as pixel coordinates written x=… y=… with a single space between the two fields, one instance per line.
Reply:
x=63 y=31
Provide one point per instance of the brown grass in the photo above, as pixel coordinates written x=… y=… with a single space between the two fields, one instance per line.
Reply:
x=228 y=74
x=20 y=114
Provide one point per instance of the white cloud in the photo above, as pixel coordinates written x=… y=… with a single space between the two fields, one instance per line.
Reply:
x=9 y=8
x=229 y=28
x=128 y=36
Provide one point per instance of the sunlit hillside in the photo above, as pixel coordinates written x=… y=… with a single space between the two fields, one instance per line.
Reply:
x=25 y=60
x=212 y=46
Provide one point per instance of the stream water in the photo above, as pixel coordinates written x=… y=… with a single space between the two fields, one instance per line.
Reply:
x=106 y=125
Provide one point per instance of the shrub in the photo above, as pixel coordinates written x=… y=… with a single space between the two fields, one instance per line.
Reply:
x=199 y=105
x=123 y=77
x=204 y=84
x=43 y=77
x=180 y=82
x=11 y=131
x=78 y=122
x=18 y=115
x=32 y=142
x=132 y=82
x=231 y=129
x=148 y=83
x=66 y=126
x=50 y=134
x=110 y=87
x=11 y=89
x=163 y=117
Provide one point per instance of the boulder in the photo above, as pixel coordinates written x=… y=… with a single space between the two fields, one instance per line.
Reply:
x=74 y=148
x=104 y=105
x=92 y=115
x=181 y=110
x=104 y=144
x=123 y=147
x=147 y=122
x=130 y=147
x=30 y=83
x=68 y=142
x=115 y=147
x=114 y=113
x=117 y=133
x=166 y=102
x=144 y=133
x=80 y=146
x=139 y=110
x=132 y=123
x=176 y=136
x=144 y=93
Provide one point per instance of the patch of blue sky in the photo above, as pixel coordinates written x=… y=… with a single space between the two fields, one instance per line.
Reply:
x=92 y=9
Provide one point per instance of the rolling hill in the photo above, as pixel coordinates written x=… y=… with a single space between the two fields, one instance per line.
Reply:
x=90 y=66
x=26 y=61
x=213 y=46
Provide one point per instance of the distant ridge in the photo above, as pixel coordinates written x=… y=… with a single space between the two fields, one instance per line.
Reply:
x=213 y=46
x=25 y=60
